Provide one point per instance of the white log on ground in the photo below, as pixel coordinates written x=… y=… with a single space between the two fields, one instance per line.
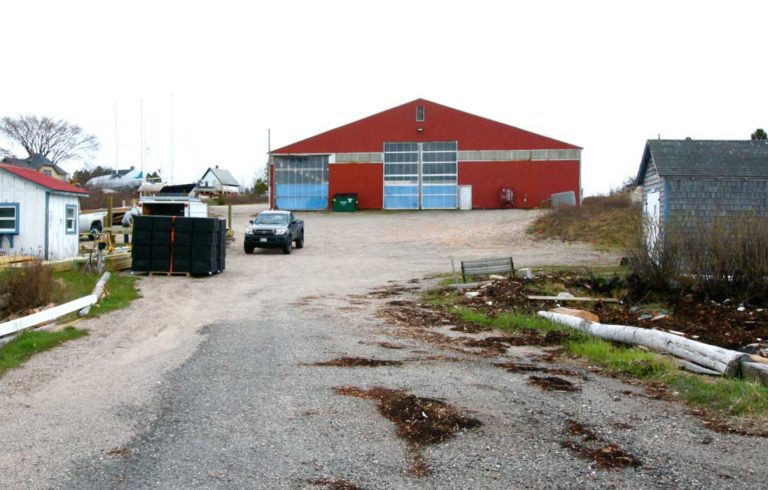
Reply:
x=724 y=361
x=97 y=291
x=755 y=372
x=695 y=368
x=14 y=326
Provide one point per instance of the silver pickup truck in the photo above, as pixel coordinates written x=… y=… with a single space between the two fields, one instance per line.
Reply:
x=92 y=222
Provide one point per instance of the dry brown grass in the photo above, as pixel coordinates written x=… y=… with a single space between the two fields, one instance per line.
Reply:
x=724 y=258
x=29 y=287
x=607 y=222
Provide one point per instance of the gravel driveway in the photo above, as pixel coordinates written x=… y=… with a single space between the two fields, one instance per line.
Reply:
x=209 y=382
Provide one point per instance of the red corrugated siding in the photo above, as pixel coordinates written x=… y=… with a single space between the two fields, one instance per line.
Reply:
x=441 y=124
x=535 y=180
x=364 y=179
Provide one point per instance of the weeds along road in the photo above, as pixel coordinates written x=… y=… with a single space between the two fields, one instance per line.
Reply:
x=209 y=382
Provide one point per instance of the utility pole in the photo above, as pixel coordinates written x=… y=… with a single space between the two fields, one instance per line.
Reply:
x=172 y=142
x=117 y=166
x=141 y=132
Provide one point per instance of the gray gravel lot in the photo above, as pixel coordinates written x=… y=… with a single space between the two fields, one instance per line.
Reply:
x=207 y=383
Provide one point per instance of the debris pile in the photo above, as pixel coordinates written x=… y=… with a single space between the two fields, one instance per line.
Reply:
x=420 y=421
x=358 y=362
x=553 y=383
x=607 y=455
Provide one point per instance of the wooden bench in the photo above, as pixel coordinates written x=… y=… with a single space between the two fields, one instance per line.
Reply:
x=477 y=267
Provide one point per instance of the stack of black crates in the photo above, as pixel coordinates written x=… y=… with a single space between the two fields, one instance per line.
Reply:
x=173 y=244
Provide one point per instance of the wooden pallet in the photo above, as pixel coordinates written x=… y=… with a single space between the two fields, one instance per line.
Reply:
x=157 y=273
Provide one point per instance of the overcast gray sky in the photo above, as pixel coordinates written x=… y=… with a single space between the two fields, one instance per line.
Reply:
x=602 y=75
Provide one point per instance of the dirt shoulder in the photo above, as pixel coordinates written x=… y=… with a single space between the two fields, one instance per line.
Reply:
x=94 y=394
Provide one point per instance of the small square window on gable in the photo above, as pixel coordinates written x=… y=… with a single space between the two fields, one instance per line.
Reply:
x=420 y=113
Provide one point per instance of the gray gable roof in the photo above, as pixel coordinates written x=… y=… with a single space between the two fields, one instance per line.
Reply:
x=223 y=176
x=34 y=162
x=706 y=158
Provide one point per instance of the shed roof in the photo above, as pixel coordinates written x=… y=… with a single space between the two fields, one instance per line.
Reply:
x=35 y=162
x=43 y=180
x=223 y=176
x=441 y=123
x=706 y=158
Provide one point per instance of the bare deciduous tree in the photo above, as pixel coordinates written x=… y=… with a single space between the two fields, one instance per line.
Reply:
x=57 y=141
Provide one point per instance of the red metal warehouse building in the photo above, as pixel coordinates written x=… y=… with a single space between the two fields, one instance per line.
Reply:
x=423 y=155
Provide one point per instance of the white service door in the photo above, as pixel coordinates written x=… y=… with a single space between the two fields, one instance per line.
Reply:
x=465 y=197
x=652 y=222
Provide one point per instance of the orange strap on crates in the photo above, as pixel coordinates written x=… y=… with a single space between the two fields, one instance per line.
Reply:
x=173 y=232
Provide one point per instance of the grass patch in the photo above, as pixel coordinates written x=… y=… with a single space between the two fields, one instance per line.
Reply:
x=619 y=359
x=122 y=290
x=29 y=343
x=607 y=222
x=439 y=296
x=507 y=321
x=733 y=397
x=71 y=285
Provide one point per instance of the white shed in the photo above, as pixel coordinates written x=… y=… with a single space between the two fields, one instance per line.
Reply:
x=216 y=180
x=38 y=214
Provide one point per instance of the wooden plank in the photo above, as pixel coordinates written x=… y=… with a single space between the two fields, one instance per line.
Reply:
x=46 y=315
x=14 y=259
x=573 y=298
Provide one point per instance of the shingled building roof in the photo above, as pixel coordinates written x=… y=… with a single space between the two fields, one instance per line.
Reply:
x=34 y=162
x=224 y=176
x=706 y=158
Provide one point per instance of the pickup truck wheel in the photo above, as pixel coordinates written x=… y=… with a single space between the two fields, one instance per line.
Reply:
x=287 y=249
x=300 y=241
x=248 y=249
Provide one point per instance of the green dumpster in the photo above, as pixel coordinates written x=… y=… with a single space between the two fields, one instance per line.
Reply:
x=344 y=203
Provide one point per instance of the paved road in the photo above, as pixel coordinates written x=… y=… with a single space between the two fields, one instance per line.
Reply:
x=208 y=383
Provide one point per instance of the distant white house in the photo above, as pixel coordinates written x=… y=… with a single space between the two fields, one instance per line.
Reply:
x=217 y=180
x=38 y=214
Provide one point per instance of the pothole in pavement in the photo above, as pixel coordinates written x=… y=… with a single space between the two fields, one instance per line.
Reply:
x=607 y=455
x=553 y=383
x=419 y=421
x=335 y=484
x=516 y=367
x=357 y=362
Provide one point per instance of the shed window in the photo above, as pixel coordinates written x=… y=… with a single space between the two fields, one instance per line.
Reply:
x=71 y=219
x=9 y=218
x=420 y=113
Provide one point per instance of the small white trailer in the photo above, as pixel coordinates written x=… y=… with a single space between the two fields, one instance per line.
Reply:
x=177 y=200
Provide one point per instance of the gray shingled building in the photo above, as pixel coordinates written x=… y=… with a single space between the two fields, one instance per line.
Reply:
x=690 y=182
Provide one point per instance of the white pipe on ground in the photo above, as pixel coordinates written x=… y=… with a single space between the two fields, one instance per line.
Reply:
x=724 y=361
